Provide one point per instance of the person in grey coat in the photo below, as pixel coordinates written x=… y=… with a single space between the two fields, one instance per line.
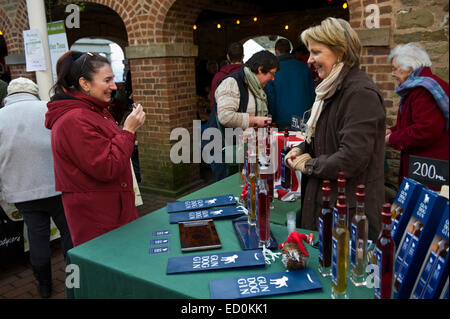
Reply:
x=346 y=129
x=27 y=177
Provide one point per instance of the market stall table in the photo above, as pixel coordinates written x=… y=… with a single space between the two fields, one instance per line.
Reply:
x=118 y=264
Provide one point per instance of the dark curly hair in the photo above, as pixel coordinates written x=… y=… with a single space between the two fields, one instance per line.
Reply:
x=266 y=59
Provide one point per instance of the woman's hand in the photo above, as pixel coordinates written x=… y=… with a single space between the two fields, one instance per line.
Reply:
x=135 y=119
x=291 y=156
x=259 y=121
x=386 y=138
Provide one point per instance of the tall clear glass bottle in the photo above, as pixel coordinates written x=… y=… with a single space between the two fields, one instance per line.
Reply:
x=285 y=171
x=263 y=220
x=384 y=256
x=340 y=252
x=359 y=234
x=325 y=231
x=252 y=177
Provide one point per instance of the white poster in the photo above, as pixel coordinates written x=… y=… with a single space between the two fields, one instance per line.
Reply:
x=34 y=51
x=57 y=42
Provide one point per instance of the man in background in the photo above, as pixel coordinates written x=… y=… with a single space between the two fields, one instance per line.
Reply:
x=235 y=56
x=292 y=91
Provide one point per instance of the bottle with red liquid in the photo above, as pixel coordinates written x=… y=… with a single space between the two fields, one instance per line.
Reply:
x=252 y=180
x=384 y=256
x=325 y=231
x=263 y=212
x=285 y=171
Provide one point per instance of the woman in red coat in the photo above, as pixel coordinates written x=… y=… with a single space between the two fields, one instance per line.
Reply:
x=91 y=153
x=423 y=116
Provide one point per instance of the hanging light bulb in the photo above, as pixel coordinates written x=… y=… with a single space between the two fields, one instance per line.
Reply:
x=218 y=26
x=1 y=32
x=255 y=19
x=194 y=27
x=345 y=5
x=238 y=21
x=286 y=27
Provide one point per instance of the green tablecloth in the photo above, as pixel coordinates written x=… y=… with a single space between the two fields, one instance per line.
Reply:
x=118 y=264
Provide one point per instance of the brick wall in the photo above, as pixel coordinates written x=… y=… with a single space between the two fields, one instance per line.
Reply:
x=166 y=86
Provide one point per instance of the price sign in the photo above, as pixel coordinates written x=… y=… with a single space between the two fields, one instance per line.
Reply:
x=296 y=122
x=428 y=171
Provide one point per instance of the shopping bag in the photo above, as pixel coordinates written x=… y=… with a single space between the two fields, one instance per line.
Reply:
x=11 y=239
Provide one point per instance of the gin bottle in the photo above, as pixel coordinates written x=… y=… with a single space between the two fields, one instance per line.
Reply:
x=340 y=252
x=384 y=256
x=285 y=171
x=263 y=220
x=325 y=231
x=359 y=233
x=252 y=176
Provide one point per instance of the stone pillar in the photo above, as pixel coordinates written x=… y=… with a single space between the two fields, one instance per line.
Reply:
x=163 y=78
x=37 y=20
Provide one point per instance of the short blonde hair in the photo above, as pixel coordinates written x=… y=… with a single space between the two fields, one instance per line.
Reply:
x=338 y=35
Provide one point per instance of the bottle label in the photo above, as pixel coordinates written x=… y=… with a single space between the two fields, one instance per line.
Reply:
x=321 y=239
x=282 y=168
x=334 y=261
x=353 y=246
x=379 y=262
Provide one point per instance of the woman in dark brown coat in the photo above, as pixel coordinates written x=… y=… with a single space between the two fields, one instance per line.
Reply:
x=345 y=131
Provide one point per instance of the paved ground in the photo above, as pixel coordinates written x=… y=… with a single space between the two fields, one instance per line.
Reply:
x=17 y=280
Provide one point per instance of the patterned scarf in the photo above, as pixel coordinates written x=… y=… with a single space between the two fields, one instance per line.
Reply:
x=415 y=80
x=321 y=93
x=260 y=96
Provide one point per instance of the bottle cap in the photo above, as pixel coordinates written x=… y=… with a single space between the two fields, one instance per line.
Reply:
x=342 y=205
x=326 y=191
x=360 y=193
x=341 y=175
x=326 y=183
x=386 y=214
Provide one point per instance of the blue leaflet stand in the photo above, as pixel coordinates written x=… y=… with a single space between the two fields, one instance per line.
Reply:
x=247 y=236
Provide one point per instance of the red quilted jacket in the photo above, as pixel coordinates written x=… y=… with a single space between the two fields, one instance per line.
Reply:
x=420 y=128
x=92 y=166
